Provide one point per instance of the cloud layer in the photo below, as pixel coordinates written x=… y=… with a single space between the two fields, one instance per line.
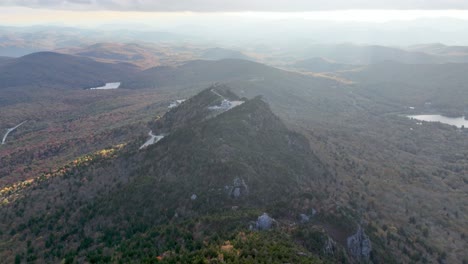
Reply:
x=237 y=5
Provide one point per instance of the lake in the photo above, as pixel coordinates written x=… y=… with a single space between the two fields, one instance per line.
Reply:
x=108 y=86
x=454 y=121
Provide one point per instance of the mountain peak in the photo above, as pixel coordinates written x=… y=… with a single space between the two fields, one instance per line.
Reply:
x=214 y=163
x=196 y=109
x=248 y=143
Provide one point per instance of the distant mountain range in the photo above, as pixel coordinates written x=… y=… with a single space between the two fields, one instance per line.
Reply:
x=363 y=54
x=103 y=63
x=155 y=48
x=20 y=41
x=150 y=55
x=441 y=49
x=371 y=54
x=142 y=55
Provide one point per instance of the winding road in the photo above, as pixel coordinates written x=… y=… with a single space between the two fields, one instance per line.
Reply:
x=11 y=130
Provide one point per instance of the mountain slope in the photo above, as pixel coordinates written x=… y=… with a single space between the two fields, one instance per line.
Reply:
x=247 y=142
x=442 y=86
x=60 y=70
x=321 y=65
x=180 y=199
x=357 y=54
x=4 y=60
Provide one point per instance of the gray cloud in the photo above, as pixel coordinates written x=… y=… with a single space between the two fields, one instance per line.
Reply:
x=237 y=5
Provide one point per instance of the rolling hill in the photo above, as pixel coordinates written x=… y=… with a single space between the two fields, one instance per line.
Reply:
x=199 y=71
x=221 y=53
x=321 y=65
x=443 y=87
x=368 y=54
x=456 y=53
x=49 y=69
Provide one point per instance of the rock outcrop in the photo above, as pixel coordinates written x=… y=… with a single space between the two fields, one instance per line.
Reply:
x=359 y=245
x=304 y=218
x=330 y=247
x=238 y=189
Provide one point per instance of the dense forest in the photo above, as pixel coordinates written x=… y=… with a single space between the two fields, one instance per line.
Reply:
x=329 y=161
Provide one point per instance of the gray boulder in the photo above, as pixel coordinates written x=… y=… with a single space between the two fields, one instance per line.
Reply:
x=304 y=218
x=264 y=222
x=359 y=245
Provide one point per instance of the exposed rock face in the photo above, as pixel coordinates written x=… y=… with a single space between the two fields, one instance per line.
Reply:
x=192 y=111
x=226 y=105
x=314 y=212
x=237 y=193
x=304 y=218
x=238 y=189
x=176 y=103
x=330 y=247
x=359 y=245
x=264 y=222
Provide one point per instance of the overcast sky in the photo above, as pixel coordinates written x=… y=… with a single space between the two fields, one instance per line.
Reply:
x=172 y=12
x=237 y=5
x=398 y=22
